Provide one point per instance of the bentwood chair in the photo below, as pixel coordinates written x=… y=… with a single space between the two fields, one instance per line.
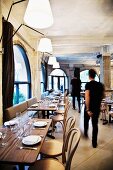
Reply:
x=60 y=116
x=53 y=148
x=69 y=148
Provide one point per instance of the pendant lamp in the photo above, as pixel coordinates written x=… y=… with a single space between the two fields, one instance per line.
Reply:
x=56 y=65
x=52 y=60
x=38 y=14
x=45 y=45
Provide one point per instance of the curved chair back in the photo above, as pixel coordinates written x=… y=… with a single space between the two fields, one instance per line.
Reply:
x=69 y=124
x=70 y=145
x=67 y=106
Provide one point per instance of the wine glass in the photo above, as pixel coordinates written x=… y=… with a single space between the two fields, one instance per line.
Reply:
x=4 y=131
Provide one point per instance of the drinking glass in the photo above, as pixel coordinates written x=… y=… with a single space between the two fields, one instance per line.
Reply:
x=4 y=131
x=14 y=128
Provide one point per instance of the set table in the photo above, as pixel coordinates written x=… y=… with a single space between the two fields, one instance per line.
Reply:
x=12 y=154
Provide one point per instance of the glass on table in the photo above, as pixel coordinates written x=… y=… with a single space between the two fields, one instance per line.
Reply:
x=4 y=132
x=30 y=114
x=14 y=128
x=20 y=133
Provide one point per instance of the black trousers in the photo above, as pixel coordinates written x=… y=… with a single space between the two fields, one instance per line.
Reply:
x=73 y=101
x=94 y=120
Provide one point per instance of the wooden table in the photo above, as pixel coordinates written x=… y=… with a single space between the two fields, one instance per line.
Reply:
x=11 y=154
x=43 y=108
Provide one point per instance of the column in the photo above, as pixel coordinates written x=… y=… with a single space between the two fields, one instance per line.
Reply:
x=105 y=70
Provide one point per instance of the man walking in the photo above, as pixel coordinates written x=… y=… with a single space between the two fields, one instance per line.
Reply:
x=94 y=92
x=76 y=88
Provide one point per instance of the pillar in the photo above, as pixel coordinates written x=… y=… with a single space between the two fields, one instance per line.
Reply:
x=105 y=70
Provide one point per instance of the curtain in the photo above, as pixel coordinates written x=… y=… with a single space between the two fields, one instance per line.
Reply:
x=7 y=67
x=45 y=74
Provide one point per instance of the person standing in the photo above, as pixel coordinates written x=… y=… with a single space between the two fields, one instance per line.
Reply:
x=76 y=88
x=94 y=92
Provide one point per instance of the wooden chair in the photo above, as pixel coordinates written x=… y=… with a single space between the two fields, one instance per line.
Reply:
x=69 y=148
x=53 y=148
x=110 y=112
x=104 y=112
x=60 y=116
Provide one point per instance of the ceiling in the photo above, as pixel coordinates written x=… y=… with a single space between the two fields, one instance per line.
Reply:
x=81 y=28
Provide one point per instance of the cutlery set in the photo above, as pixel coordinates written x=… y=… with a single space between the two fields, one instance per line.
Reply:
x=27 y=147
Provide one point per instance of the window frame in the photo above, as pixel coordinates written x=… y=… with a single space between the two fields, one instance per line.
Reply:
x=28 y=83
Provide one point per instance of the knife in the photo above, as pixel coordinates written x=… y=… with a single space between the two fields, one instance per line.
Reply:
x=26 y=147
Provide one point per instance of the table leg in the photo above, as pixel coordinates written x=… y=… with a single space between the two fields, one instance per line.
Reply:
x=43 y=114
x=48 y=114
x=109 y=118
x=21 y=167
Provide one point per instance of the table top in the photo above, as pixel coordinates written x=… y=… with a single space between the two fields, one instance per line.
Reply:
x=11 y=154
x=44 y=106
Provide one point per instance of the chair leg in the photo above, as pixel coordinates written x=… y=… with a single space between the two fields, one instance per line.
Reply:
x=109 y=118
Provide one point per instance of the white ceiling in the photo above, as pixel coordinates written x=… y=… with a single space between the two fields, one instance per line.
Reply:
x=80 y=29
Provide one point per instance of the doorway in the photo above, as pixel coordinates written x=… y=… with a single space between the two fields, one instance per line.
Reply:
x=58 y=83
x=58 y=80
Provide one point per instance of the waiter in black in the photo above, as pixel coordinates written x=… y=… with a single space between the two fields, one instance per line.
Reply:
x=76 y=88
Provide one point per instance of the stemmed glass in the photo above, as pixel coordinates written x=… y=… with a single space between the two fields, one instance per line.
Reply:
x=30 y=121
x=4 y=131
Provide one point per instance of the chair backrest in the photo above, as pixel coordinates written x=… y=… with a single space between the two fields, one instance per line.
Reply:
x=66 y=109
x=69 y=124
x=70 y=145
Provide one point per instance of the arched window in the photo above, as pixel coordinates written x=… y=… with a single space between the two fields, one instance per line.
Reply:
x=85 y=78
x=58 y=80
x=22 y=84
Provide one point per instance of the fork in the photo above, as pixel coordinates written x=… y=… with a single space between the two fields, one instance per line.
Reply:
x=25 y=147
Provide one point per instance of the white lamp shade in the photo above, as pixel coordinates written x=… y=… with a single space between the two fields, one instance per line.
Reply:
x=38 y=14
x=56 y=65
x=45 y=45
x=52 y=60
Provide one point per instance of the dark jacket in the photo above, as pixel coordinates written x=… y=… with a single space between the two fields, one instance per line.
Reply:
x=76 y=86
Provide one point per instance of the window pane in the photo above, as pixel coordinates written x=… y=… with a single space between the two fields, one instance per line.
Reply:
x=22 y=82
x=55 y=82
x=62 y=84
x=50 y=82
x=20 y=68
x=23 y=92
x=15 y=97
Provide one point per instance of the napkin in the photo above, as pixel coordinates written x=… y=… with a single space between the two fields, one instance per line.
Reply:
x=40 y=124
x=52 y=105
x=35 y=105
x=0 y=134
x=11 y=122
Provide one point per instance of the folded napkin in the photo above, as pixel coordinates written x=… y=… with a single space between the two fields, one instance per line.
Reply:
x=52 y=105
x=35 y=105
x=0 y=134
x=11 y=122
x=30 y=140
x=40 y=123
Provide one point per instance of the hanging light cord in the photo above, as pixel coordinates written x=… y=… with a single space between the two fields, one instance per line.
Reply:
x=12 y=6
x=14 y=3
